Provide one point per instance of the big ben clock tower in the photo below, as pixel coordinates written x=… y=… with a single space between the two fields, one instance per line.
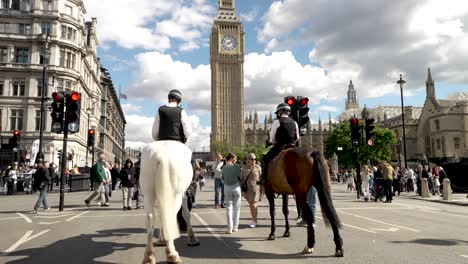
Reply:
x=227 y=76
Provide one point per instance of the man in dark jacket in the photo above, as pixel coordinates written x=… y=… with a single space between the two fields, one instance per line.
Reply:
x=127 y=178
x=41 y=182
x=115 y=174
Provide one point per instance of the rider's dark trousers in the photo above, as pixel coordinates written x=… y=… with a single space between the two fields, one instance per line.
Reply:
x=268 y=158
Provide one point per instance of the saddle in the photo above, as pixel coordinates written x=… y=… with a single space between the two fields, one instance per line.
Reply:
x=287 y=146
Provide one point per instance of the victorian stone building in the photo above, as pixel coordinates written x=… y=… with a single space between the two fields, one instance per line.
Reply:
x=25 y=28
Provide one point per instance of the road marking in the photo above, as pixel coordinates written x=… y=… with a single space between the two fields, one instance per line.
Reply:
x=52 y=216
x=49 y=223
x=378 y=221
x=205 y=224
x=25 y=238
x=355 y=227
x=27 y=219
x=465 y=256
x=11 y=218
x=391 y=229
x=76 y=216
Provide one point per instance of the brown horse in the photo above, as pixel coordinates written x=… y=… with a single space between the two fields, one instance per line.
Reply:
x=295 y=171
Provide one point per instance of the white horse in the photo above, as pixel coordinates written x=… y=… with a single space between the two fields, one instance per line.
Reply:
x=166 y=173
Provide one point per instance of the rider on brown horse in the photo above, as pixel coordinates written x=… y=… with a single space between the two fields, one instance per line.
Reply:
x=284 y=132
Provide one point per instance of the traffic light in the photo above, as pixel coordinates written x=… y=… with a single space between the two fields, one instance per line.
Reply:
x=57 y=112
x=370 y=131
x=59 y=155
x=303 y=111
x=292 y=102
x=72 y=119
x=15 y=140
x=355 y=133
x=91 y=133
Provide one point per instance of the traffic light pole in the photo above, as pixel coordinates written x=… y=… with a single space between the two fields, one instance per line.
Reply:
x=41 y=125
x=63 y=168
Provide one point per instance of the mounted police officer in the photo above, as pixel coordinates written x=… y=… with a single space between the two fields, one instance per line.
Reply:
x=284 y=132
x=171 y=121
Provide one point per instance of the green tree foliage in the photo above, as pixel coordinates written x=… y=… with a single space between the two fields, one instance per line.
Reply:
x=341 y=137
x=241 y=152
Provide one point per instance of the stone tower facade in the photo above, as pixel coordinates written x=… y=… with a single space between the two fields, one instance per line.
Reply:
x=352 y=102
x=227 y=76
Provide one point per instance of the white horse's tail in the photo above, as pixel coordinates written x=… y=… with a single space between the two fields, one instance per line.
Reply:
x=167 y=199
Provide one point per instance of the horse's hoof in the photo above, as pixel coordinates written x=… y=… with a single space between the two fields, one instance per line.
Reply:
x=271 y=237
x=174 y=259
x=149 y=260
x=286 y=234
x=308 y=250
x=339 y=253
x=193 y=242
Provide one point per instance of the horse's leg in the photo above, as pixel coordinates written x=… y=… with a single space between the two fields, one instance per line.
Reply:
x=271 y=200
x=301 y=200
x=149 y=257
x=338 y=241
x=192 y=239
x=161 y=242
x=172 y=256
x=286 y=214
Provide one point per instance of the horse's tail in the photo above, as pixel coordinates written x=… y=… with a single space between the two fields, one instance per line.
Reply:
x=167 y=201
x=322 y=184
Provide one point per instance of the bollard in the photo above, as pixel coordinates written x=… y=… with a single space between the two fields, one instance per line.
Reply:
x=425 y=188
x=447 y=192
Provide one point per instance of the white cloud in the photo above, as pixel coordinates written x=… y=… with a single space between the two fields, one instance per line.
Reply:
x=152 y=24
x=138 y=132
x=130 y=108
x=373 y=41
x=249 y=16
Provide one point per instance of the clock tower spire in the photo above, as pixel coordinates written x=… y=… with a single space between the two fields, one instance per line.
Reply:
x=227 y=76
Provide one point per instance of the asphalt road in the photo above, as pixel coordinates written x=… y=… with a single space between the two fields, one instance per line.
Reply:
x=406 y=231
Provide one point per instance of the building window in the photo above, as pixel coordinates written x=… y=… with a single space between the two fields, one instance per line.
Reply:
x=47 y=5
x=5 y=4
x=15 y=5
x=437 y=124
x=457 y=143
x=38 y=120
x=16 y=119
x=5 y=27
x=46 y=28
x=68 y=10
x=62 y=57
x=24 y=29
x=1 y=91
x=22 y=55
x=443 y=145
x=438 y=144
x=433 y=147
x=19 y=88
x=39 y=87
x=64 y=32
x=70 y=34
x=3 y=55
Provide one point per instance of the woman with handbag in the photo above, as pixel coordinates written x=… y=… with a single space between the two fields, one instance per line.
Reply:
x=250 y=187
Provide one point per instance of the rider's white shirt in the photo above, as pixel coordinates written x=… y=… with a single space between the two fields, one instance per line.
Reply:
x=186 y=126
x=274 y=128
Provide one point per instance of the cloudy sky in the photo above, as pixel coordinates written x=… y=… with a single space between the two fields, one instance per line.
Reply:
x=294 y=47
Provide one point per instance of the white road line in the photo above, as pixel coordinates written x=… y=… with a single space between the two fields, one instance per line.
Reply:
x=25 y=238
x=465 y=256
x=52 y=216
x=355 y=227
x=11 y=218
x=27 y=219
x=49 y=223
x=205 y=224
x=378 y=221
x=442 y=213
x=76 y=216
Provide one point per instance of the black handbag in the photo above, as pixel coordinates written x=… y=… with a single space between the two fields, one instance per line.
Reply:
x=244 y=187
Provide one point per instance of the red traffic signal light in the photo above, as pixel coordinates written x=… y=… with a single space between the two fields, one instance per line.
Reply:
x=16 y=133
x=91 y=131
x=304 y=101
x=291 y=100
x=57 y=97
x=75 y=96
x=355 y=121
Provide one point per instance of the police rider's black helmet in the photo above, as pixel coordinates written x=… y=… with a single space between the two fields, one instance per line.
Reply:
x=283 y=107
x=175 y=94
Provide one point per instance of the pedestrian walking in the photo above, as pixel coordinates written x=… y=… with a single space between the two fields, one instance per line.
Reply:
x=138 y=194
x=366 y=174
x=231 y=175
x=388 y=176
x=115 y=174
x=13 y=179
x=218 y=181
x=108 y=185
x=250 y=179
x=127 y=177
x=98 y=177
x=41 y=182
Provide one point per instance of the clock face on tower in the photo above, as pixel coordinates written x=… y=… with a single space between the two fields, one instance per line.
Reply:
x=229 y=42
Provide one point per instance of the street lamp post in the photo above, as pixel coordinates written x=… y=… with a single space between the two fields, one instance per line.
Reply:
x=89 y=111
x=45 y=59
x=401 y=82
